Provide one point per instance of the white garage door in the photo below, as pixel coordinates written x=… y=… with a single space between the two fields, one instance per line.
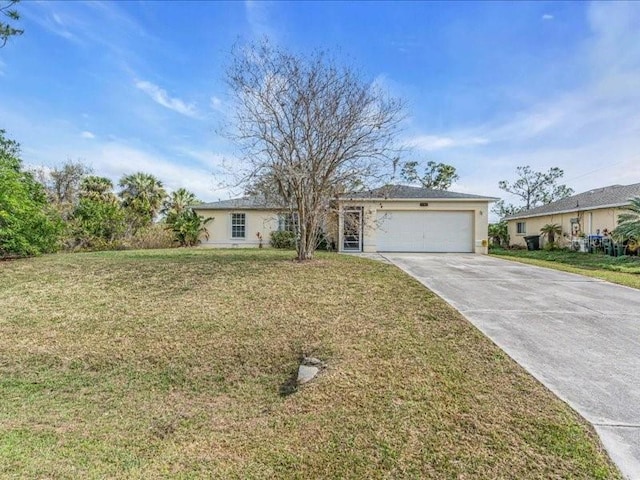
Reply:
x=434 y=231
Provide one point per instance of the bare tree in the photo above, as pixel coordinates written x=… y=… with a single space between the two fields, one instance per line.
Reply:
x=533 y=188
x=62 y=184
x=311 y=128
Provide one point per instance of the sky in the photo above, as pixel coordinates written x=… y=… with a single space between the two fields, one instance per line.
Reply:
x=140 y=86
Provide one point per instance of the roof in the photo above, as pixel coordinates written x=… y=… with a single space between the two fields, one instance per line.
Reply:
x=606 y=197
x=406 y=192
x=244 y=203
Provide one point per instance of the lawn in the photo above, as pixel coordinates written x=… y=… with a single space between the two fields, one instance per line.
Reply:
x=621 y=270
x=174 y=363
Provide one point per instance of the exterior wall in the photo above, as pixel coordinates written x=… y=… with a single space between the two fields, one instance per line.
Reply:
x=590 y=222
x=371 y=207
x=219 y=229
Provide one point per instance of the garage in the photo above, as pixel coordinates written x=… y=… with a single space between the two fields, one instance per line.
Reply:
x=424 y=231
x=404 y=218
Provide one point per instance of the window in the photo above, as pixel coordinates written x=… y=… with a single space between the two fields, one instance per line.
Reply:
x=238 y=225
x=521 y=228
x=287 y=222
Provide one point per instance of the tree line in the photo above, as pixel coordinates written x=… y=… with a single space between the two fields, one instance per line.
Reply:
x=69 y=208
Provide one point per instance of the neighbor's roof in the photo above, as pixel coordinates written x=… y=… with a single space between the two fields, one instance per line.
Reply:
x=244 y=203
x=405 y=192
x=606 y=197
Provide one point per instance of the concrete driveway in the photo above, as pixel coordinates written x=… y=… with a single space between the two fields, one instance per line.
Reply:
x=579 y=336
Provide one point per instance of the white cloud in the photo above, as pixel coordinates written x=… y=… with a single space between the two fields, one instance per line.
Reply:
x=115 y=160
x=89 y=24
x=51 y=20
x=161 y=97
x=207 y=158
x=430 y=143
x=218 y=105
x=258 y=18
x=57 y=18
x=87 y=134
x=590 y=130
x=547 y=16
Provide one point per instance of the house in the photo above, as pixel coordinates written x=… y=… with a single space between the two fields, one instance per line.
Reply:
x=237 y=222
x=400 y=218
x=394 y=218
x=588 y=213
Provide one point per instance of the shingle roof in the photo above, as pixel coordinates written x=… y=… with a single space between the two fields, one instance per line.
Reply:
x=612 y=196
x=407 y=192
x=244 y=203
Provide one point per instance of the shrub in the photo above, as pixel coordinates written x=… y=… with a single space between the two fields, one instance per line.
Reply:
x=153 y=236
x=283 y=239
x=499 y=234
x=96 y=223
x=551 y=246
x=28 y=225
x=187 y=227
x=325 y=243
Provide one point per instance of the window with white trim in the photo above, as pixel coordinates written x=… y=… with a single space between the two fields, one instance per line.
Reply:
x=238 y=225
x=521 y=228
x=287 y=222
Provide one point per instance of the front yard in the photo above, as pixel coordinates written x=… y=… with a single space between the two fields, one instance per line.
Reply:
x=621 y=270
x=175 y=364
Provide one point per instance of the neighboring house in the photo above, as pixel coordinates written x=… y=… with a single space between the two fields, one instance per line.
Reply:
x=587 y=213
x=237 y=222
x=395 y=218
x=399 y=218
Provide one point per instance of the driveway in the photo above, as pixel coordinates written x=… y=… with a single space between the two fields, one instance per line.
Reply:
x=579 y=336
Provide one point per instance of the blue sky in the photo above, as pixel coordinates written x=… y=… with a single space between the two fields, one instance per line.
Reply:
x=129 y=86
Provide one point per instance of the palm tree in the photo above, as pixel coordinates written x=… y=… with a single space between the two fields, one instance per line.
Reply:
x=96 y=188
x=178 y=203
x=629 y=222
x=142 y=195
x=499 y=234
x=188 y=227
x=551 y=230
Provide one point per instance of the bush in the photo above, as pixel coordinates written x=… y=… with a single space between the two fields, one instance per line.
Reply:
x=325 y=243
x=96 y=224
x=154 y=236
x=28 y=225
x=186 y=227
x=283 y=239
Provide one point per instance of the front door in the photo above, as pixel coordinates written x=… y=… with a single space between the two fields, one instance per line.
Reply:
x=352 y=230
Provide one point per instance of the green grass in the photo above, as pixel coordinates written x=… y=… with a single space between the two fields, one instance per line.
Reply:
x=171 y=364
x=621 y=270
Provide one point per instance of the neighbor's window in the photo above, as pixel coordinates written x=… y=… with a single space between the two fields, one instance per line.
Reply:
x=522 y=228
x=286 y=222
x=238 y=225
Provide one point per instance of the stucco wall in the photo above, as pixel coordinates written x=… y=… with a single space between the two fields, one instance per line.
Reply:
x=590 y=222
x=263 y=221
x=371 y=208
